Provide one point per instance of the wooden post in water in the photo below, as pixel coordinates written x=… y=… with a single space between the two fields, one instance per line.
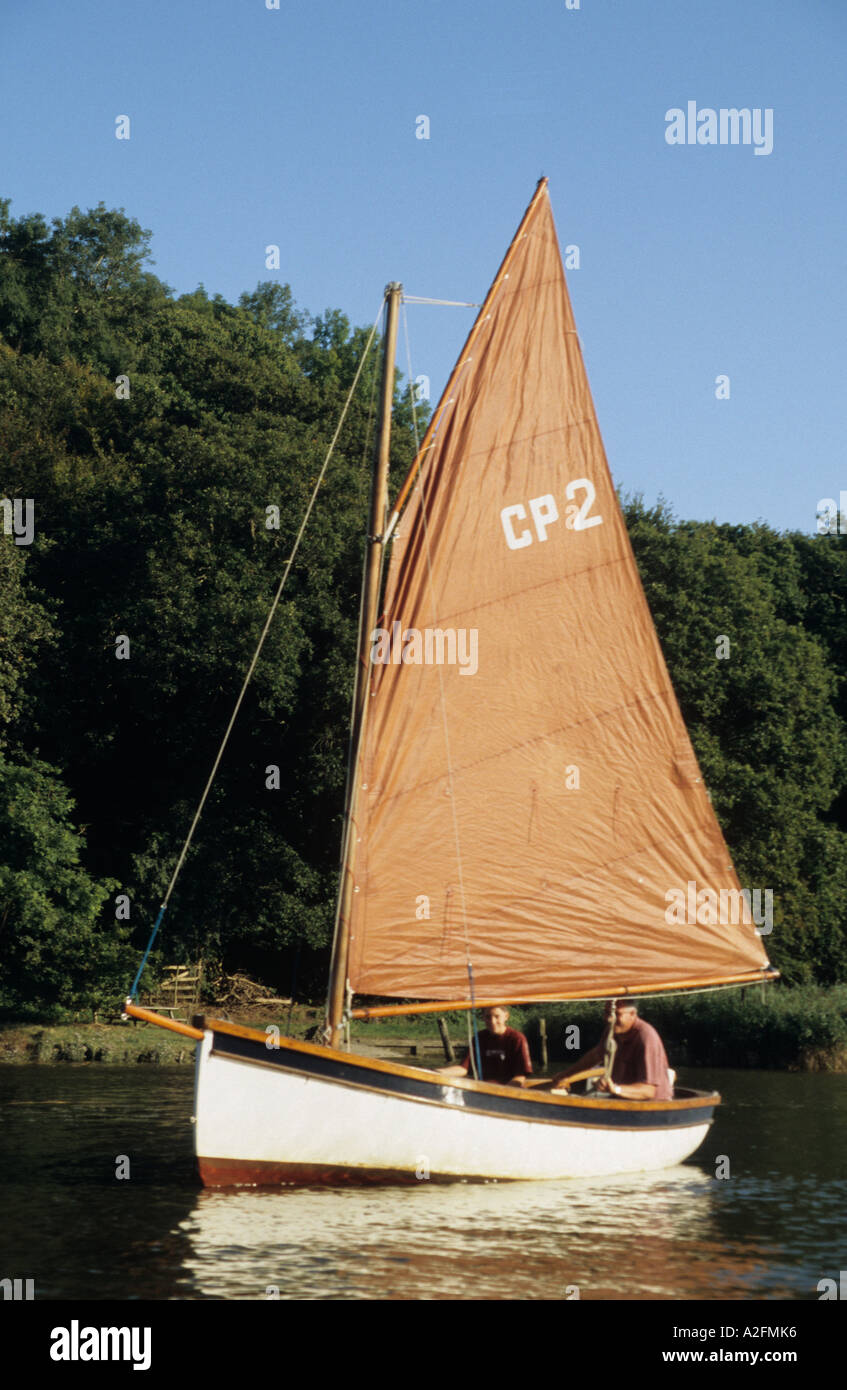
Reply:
x=542 y=1041
x=445 y=1039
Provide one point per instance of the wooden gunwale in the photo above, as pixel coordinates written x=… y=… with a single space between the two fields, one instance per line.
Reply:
x=173 y=1024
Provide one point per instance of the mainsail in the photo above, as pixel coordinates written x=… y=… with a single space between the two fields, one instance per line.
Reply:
x=530 y=802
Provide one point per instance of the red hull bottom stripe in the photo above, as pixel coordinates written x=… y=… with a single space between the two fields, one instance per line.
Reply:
x=239 y=1172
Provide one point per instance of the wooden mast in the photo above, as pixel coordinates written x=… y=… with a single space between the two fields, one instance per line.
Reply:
x=367 y=622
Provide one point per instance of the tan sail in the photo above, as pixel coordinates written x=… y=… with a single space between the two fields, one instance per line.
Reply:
x=530 y=802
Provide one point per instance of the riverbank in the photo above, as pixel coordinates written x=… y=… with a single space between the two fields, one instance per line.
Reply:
x=803 y=1029
x=125 y=1044
x=762 y=1026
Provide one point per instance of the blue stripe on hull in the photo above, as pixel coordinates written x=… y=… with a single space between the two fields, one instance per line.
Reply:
x=441 y=1091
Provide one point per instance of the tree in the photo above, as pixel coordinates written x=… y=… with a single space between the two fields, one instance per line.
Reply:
x=170 y=514
x=56 y=951
x=24 y=627
x=75 y=289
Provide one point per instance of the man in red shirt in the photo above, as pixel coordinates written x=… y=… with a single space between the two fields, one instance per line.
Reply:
x=640 y=1068
x=503 y=1051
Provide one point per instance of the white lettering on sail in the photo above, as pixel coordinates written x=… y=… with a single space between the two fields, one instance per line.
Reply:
x=513 y=541
x=581 y=519
x=544 y=512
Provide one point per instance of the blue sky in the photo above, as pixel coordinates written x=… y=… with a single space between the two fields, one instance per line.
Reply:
x=297 y=126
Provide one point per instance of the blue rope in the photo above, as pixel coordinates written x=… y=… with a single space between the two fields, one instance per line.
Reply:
x=156 y=924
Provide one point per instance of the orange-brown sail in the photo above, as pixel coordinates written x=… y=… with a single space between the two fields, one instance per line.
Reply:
x=530 y=801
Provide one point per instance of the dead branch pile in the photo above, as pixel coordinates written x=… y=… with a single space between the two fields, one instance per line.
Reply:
x=240 y=992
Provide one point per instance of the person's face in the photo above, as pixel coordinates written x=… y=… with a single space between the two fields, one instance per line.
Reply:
x=625 y=1016
x=496 y=1019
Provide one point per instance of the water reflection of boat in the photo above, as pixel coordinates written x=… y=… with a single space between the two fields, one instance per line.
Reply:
x=523 y=793
x=646 y=1236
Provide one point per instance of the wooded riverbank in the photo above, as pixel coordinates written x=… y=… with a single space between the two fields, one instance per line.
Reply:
x=802 y=1029
x=173 y=507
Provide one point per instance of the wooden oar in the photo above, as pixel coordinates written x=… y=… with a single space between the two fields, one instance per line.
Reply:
x=567 y=1080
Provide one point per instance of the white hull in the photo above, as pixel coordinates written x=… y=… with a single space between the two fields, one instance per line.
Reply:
x=261 y=1122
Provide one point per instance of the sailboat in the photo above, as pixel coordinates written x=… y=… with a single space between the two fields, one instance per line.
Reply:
x=523 y=801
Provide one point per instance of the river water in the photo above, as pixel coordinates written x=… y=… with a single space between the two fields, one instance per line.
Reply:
x=771 y=1229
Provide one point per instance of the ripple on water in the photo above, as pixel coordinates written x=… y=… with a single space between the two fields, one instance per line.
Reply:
x=770 y=1230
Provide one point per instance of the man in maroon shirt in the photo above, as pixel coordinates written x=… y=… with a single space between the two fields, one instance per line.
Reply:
x=503 y=1051
x=640 y=1068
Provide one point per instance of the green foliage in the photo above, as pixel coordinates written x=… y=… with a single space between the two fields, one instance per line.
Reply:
x=24 y=626
x=761 y=1026
x=67 y=290
x=54 y=951
x=158 y=513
